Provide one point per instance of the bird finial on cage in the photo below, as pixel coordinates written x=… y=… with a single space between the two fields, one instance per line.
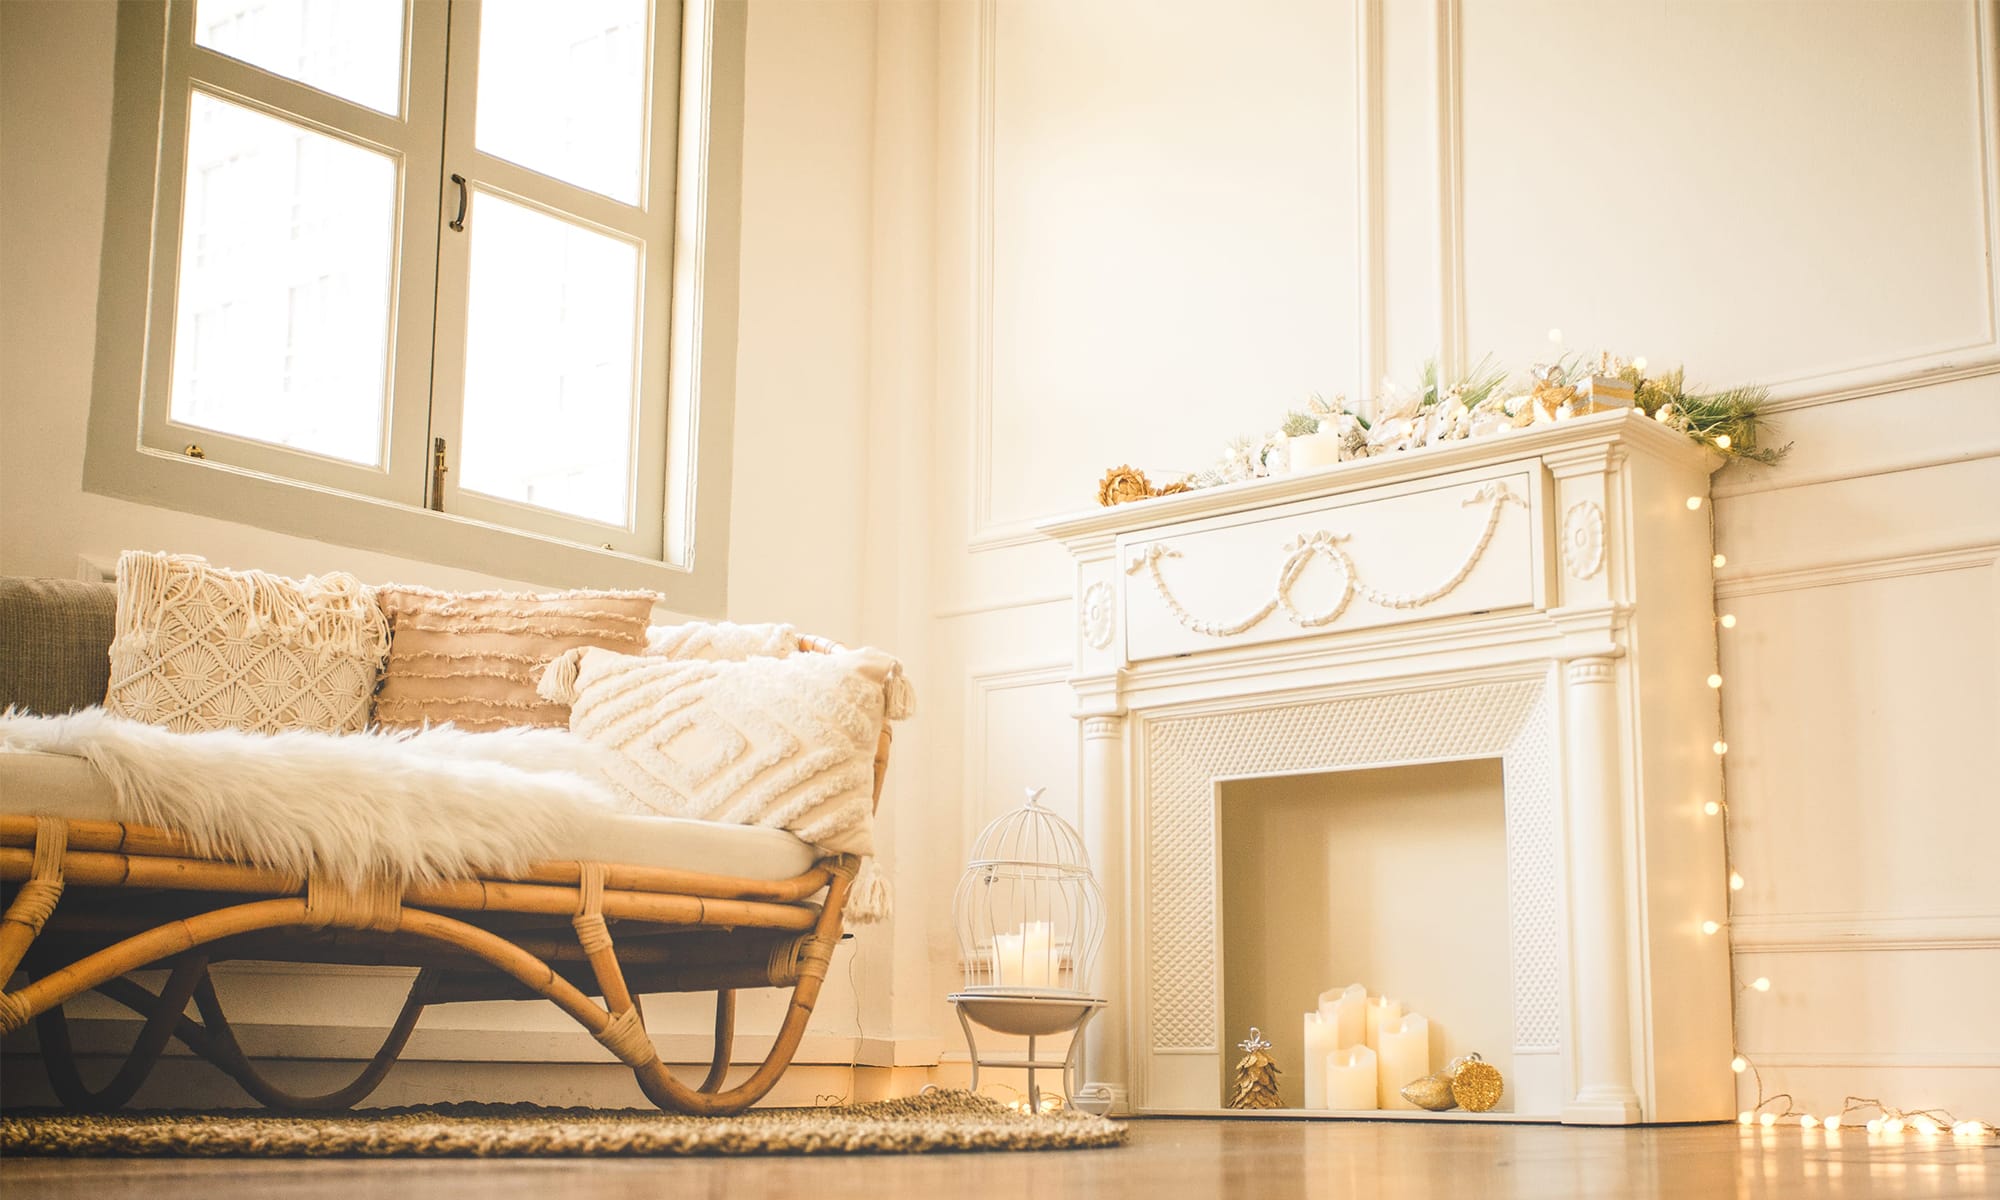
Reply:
x=1035 y=796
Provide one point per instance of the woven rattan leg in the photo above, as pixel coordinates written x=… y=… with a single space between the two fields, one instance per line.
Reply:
x=220 y=1047
x=725 y=1039
x=669 y=1093
x=59 y=1058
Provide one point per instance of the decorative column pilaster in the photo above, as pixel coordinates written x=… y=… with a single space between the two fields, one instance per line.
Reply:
x=1106 y=1063
x=1602 y=1008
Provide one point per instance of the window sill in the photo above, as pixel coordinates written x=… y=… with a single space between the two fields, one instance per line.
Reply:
x=345 y=519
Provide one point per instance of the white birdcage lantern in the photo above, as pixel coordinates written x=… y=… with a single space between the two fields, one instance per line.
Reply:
x=1029 y=919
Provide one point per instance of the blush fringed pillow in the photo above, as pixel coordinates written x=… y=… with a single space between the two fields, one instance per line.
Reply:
x=780 y=741
x=200 y=648
x=473 y=658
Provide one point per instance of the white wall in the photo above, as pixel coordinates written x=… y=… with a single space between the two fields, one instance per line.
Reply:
x=1157 y=228
x=801 y=472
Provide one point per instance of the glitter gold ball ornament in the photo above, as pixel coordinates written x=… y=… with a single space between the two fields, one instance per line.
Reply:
x=1475 y=1083
x=1432 y=1092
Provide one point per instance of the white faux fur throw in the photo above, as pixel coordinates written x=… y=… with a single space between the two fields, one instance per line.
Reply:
x=410 y=806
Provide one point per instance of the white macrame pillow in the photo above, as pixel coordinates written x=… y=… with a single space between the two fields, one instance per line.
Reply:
x=787 y=742
x=199 y=648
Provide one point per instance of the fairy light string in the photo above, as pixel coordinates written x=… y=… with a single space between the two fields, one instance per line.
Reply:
x=1775 y=1108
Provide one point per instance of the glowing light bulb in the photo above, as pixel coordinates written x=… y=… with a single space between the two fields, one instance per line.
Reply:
x=1639 y=363
x=1832 y=1123
x=1715 y=681
x=1722 y=441
x=1926 y=1126
x=1739 y=1064
x=1660 y=414
x=1893 y=1125
x=1711 y=928
x=1768 y=1120
x=1556 y=336
x=1966 y=1129
x=1729 y=620
x=1711 y=808
x=1808 y=1121
x=1875 y=1125
x=1745 y=1118
x=1761 y=984
x=1719 y=560
x=1735 y=882
x=1694 y=502
x=1720 y=747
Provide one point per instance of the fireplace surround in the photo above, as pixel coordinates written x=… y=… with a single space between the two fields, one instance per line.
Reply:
x=1543 y=598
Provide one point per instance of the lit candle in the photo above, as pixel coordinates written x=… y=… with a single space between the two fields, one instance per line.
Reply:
x=1381 y=1009
x=1320 y=1042
x=1350 y=1078
x=1037 y=966
x=1405 y=1057
x=1007 y=959
x=1350 y=1011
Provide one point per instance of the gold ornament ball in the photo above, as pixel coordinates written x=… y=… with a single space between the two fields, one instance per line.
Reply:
x=1476 y=1084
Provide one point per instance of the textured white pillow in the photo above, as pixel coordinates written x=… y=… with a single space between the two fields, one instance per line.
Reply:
x=720 y=641
x=201 y=648
x=787 y=742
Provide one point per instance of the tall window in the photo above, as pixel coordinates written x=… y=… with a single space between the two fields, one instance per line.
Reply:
x=421 y=251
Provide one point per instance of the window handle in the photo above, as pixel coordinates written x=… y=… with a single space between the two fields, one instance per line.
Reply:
x=438 y=469
x=458 y=222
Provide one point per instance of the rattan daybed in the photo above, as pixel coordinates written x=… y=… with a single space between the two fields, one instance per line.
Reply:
x=88 y=901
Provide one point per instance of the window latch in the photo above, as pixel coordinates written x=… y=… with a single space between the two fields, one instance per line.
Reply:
x=438 y=468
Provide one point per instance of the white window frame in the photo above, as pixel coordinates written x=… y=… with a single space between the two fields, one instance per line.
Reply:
x=135 y=452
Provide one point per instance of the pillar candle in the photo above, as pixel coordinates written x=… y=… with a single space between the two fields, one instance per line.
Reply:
x=1381 y=1009
x=1037 y=967
x=1320 y=1041
x=1350 y=1078
x=1350 y=1012
x=1311 y=451
x=1405 y=1057
x=1007 y=959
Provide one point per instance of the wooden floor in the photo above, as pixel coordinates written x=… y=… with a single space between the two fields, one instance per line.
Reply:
x=1264 y=1160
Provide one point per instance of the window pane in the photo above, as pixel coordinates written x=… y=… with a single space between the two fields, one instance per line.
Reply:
x=562 y=90
x=551 y=339
x=281 y=327
x=352 y=48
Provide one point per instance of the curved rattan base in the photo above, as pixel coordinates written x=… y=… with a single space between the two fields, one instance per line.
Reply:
x=94 y=901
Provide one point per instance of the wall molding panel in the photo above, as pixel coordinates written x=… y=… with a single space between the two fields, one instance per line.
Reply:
x=1863 y=932
x=1976 y=557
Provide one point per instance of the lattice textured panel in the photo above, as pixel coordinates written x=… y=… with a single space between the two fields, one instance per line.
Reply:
x=1532 y=862
x=1185 y=755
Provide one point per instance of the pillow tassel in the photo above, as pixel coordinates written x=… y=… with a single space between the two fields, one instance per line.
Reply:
x=868 y=899
x=899 y=698
x=558 y=683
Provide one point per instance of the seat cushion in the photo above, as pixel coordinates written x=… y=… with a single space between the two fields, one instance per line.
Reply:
x=33 y=783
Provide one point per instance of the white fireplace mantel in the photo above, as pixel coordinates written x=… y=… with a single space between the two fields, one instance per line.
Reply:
x=1543 y=597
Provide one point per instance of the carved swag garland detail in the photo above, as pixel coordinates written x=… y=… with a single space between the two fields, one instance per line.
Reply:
x=1325 y=545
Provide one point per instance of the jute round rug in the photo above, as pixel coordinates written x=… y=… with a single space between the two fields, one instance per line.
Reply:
x=934 y=1121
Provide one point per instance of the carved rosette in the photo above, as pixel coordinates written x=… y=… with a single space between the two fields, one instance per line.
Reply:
x=1097 y=615
x=1583 y=539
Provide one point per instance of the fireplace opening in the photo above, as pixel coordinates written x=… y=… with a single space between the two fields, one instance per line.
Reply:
x=1391 y=877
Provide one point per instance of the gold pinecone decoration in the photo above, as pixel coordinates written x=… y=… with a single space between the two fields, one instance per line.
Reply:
x=1124 y=483
x=1256 y=1075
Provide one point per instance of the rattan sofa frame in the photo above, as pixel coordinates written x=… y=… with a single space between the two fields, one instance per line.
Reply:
x=88 y=898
